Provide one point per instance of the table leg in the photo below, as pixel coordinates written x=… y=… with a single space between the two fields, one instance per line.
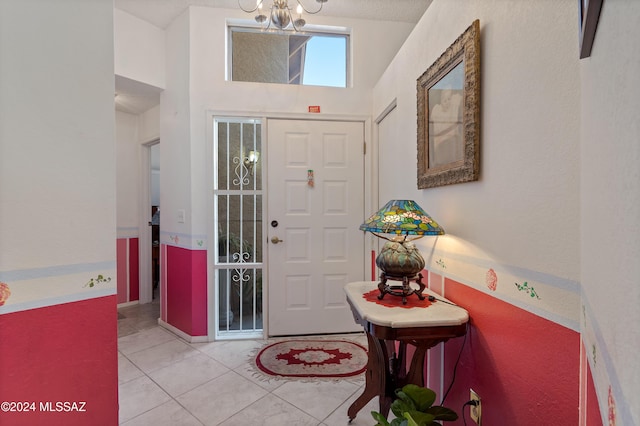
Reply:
x=375 y=379
x=386 y=371
x=416 y=370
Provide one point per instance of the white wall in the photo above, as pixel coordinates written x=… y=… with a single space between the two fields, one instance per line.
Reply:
x=175 y=123
x=139 y=48
x=522 y=217
x=149 y=125
x=610 y=207
x=127 y=177
x=133 y=209
x=139 y=56
x=57 y=152
x=372 y=50
x=132 y=131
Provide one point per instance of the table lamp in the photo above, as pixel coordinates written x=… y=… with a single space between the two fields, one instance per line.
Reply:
x=399 y=258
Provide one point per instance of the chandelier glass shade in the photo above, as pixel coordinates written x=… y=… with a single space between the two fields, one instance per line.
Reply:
x=280 y=14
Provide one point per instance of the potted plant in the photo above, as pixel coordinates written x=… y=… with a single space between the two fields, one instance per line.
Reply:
x=413 y=406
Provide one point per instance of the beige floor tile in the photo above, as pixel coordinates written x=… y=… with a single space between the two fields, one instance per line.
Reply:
x=138 y=396
x=164 y=380
x=161 y=355
x=249 y=371
x=127 y=370
x=363 y=417
x=319 y=399
x=144 y=340
x=187 y=374
x=232 y=353
x=221 y=398
x=271 y=411
x=168 y=414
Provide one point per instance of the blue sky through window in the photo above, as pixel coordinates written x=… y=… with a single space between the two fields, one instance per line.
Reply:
x=326 y=62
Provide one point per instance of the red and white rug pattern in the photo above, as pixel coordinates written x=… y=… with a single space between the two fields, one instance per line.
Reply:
x=312 y=358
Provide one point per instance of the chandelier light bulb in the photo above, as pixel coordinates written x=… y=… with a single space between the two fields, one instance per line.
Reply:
x=280 y=14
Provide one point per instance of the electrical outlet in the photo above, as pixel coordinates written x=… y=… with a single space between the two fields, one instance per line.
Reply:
x=476 y=410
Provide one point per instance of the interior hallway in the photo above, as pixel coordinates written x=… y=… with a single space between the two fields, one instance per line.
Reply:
x=165 y=381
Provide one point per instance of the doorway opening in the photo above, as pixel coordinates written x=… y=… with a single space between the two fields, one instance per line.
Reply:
x=238 y=228
x=149 y=211
x=155 y=219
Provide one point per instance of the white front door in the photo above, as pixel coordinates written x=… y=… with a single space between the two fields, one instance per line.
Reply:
x=315 y=206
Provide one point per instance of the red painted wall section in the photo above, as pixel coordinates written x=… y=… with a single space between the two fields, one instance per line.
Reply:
x=62 y=353
x=186 y=289
x=121 y=273
x=163 y=283
x=592 y=410
x=134 y=270
x=128 y=269
x=199 y=292
x=524 y=367
x=433 y=371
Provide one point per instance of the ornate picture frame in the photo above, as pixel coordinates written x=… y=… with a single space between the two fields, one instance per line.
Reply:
x=448 y=95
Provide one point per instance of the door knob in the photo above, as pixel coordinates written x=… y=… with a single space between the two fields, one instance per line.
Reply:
x=276 y=240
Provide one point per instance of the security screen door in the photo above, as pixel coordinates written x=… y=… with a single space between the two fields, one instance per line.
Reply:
x=238 y=195
x=315 y=206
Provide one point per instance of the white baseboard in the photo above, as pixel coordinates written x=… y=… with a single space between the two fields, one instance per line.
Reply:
x=181 y=334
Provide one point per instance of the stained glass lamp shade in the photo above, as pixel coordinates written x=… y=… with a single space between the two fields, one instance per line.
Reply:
x=399 y=258
x=402 y=217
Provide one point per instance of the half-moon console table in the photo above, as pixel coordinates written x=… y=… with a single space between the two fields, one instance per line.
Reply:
x=420 y=326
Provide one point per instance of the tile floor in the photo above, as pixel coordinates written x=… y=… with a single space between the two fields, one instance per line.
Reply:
x=165 y=381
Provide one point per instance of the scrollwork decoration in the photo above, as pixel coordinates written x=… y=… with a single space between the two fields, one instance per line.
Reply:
x=241 y=171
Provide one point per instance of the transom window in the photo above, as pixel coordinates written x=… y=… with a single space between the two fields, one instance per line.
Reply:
x=308 y=58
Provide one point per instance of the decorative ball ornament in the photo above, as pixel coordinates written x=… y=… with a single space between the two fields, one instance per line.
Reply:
x=399 y=259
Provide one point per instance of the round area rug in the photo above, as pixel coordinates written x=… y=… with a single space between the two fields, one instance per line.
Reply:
x=313 y=358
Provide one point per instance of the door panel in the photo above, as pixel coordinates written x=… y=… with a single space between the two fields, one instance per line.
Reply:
x=321 y=248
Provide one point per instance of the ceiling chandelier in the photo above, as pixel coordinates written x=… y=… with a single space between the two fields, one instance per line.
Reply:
x=280 y=15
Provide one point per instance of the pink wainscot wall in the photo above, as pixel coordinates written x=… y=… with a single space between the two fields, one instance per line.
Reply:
x=63 y=359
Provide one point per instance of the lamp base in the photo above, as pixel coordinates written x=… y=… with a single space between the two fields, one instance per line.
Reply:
x=403 y=290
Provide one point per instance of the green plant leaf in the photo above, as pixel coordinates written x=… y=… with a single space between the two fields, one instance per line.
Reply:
x=402 y=396
x=422 y=397
x=416 y=418
x=382 y=420
x=413 y=406
x=399 y=421
x=400 y=406
x=410 y=421
x=442 y=413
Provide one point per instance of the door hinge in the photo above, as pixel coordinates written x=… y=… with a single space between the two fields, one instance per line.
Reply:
x=364 y=148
